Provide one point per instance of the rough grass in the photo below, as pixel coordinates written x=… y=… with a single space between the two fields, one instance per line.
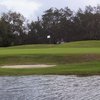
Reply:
x=76 y=58
x=48 y=59
x=91 y=68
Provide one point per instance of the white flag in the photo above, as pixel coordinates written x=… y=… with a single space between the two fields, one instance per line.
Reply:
x=48 y=36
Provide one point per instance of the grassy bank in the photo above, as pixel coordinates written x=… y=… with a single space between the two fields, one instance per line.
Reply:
x=76 y=58
x=91 y=68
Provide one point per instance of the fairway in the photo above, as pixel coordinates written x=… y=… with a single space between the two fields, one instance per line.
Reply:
x=50 y=51
x=69 y=58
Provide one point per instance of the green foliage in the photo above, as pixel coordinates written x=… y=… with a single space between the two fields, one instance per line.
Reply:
x=62 y=25
x=6 y=36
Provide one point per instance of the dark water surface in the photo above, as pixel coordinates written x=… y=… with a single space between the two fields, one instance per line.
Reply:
x=50 y=88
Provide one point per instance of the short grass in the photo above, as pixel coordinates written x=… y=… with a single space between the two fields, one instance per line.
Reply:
x=76 y=58
x=56 y=51
x=77 y=44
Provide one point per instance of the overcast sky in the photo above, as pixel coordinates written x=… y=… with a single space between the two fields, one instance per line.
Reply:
x=33 y=8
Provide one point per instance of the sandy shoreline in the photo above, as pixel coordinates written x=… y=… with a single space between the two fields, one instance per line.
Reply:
x=27 y=66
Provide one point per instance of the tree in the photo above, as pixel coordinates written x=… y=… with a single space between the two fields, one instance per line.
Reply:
x=16 y=21
x=6 y=35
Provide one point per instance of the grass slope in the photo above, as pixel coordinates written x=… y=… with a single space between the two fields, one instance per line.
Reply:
x=77 y=44
x=79 y=58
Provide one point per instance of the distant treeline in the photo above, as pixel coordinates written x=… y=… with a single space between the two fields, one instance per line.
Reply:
x=54 y=26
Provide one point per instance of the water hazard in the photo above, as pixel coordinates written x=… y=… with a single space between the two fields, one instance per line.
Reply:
x=50 y=88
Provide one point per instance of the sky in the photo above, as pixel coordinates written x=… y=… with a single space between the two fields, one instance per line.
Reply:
x=31 y=9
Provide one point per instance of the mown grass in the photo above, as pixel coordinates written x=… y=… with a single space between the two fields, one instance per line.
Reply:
x=77 y=44
x=76 y=58
x=55 y=51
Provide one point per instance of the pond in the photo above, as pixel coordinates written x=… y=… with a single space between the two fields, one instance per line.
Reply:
x=50 y=88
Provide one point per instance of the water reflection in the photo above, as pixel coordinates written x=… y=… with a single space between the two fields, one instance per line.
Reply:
x=50 y=88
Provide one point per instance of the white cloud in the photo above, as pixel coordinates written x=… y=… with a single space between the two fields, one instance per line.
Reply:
x=33 y=8
x=75 y=4
x=26 y=7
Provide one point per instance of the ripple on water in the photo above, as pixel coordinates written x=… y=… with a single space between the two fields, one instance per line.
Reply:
x=50 y=88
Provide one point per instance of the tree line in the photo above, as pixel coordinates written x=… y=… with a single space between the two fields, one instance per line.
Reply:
x=61 y=25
